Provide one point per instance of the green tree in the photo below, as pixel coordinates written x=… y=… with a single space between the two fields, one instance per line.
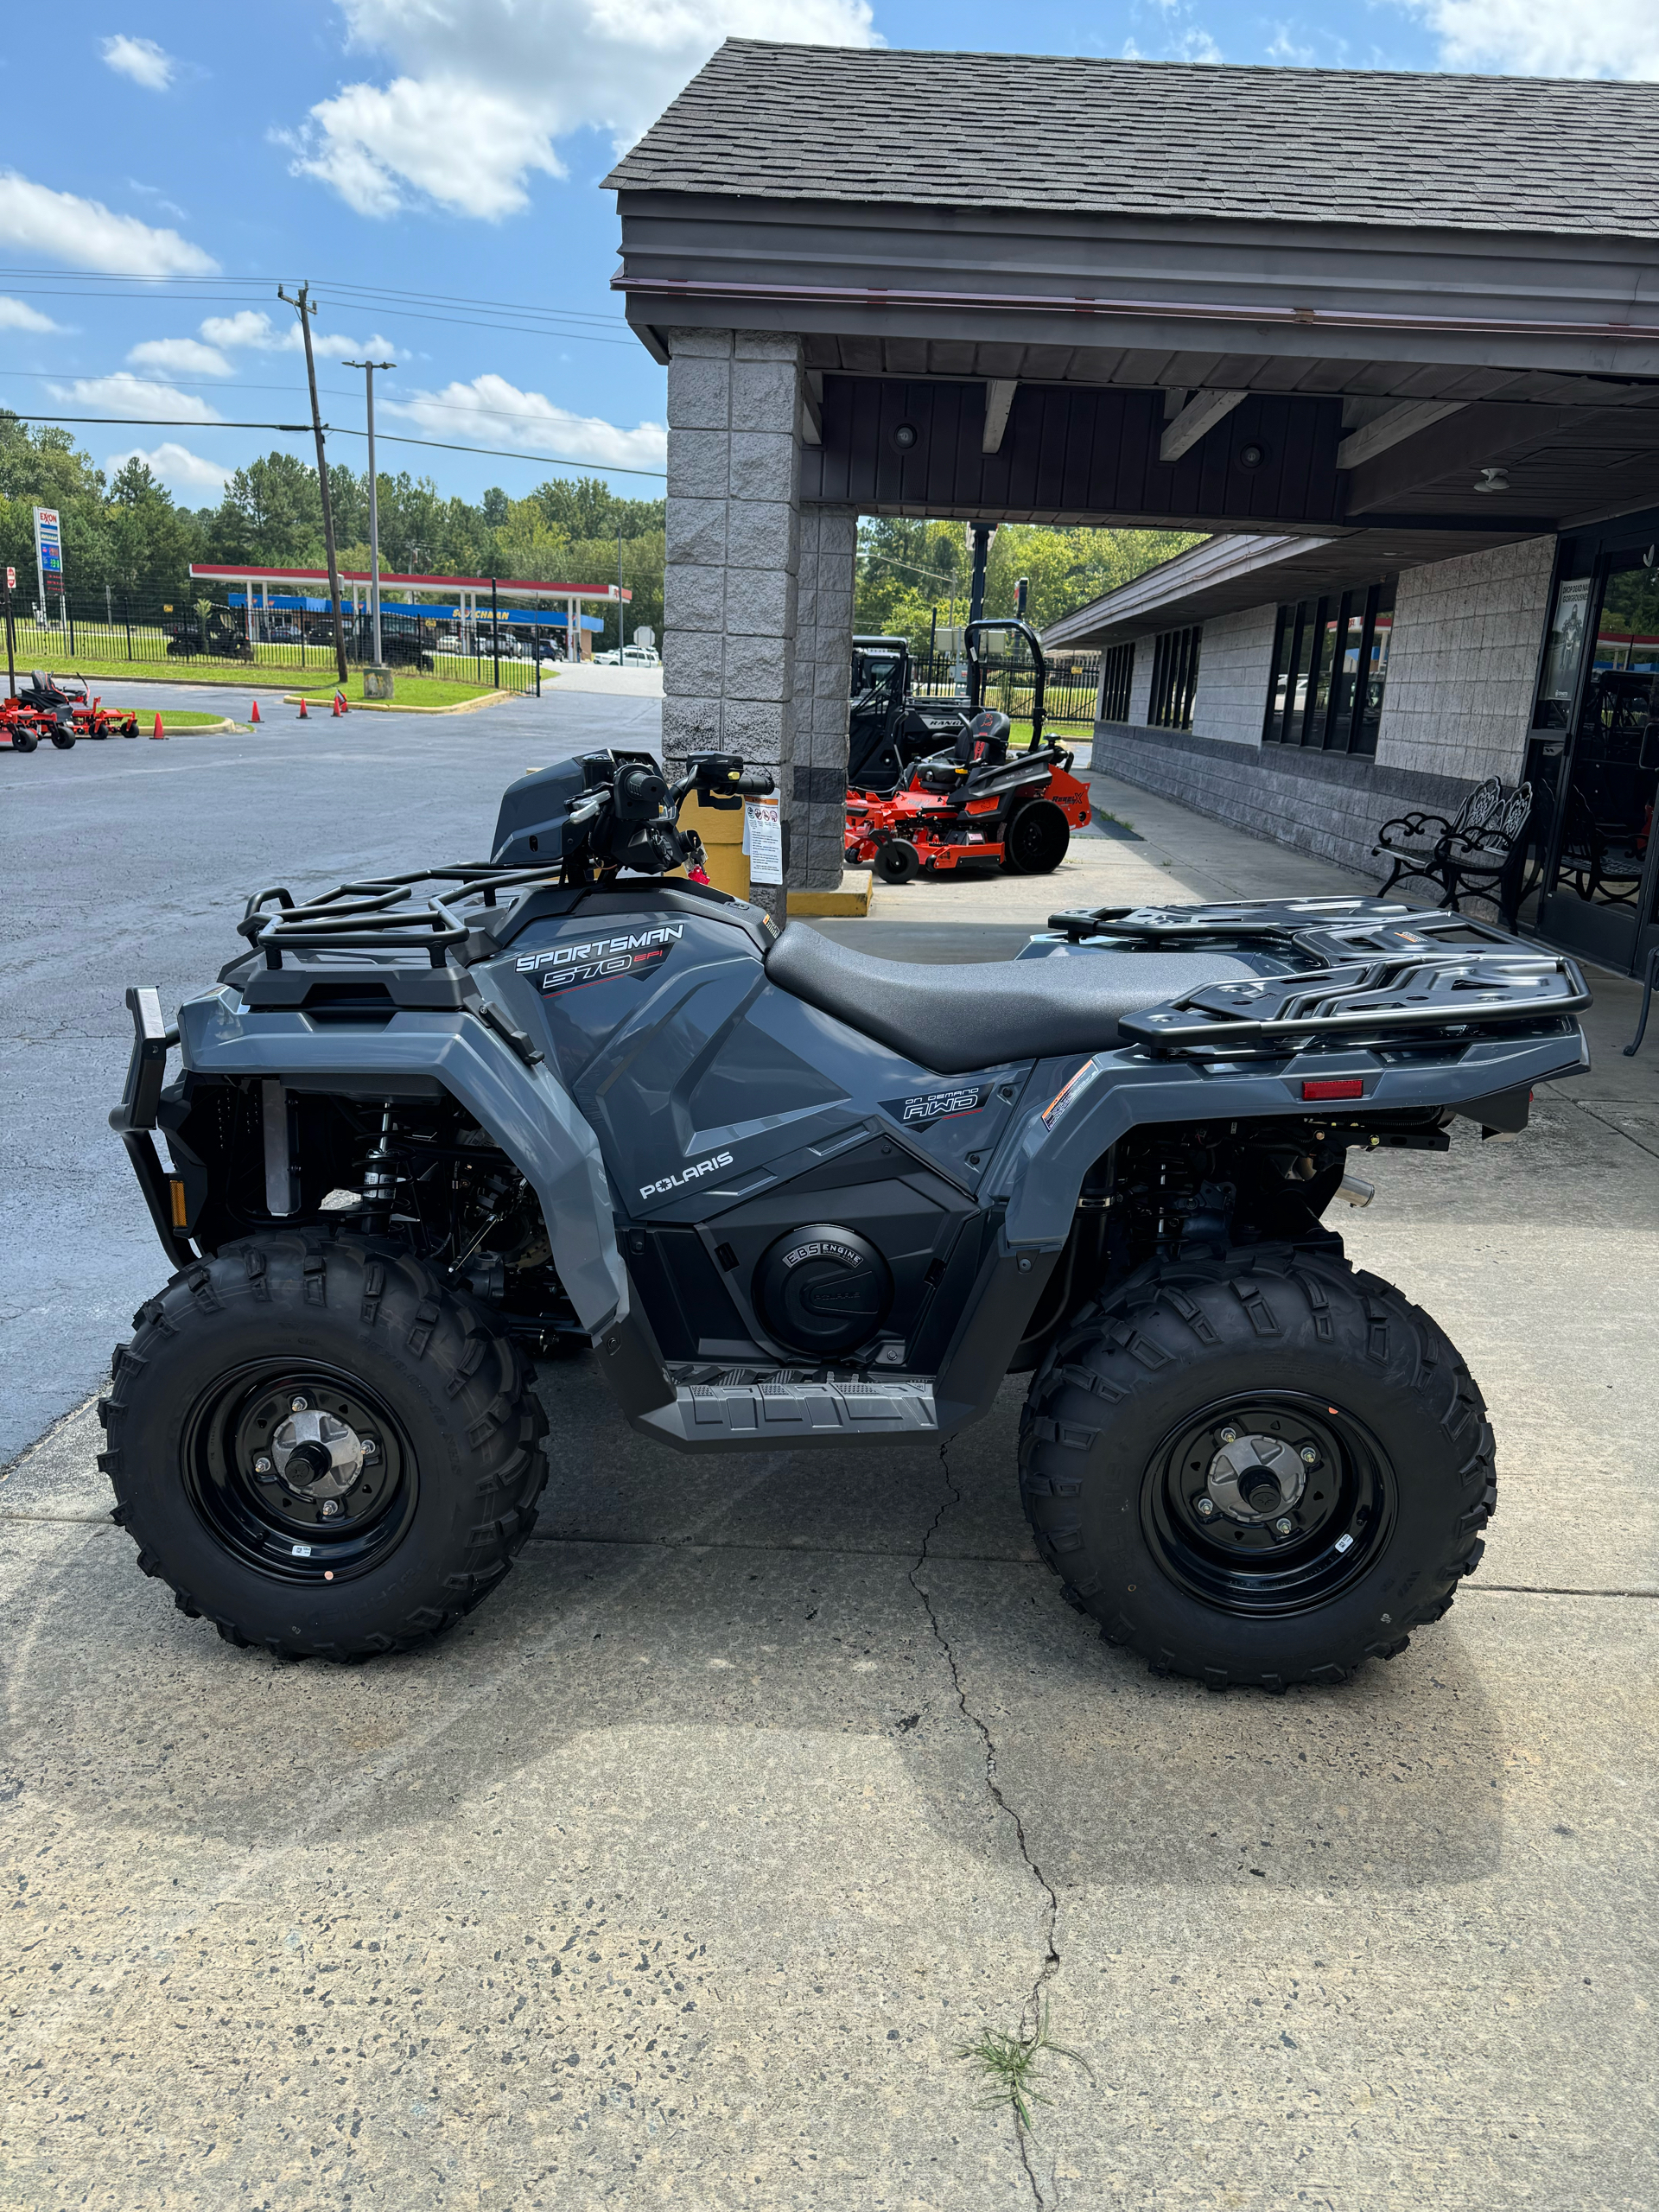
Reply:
x=270 y=516
x=152 y=543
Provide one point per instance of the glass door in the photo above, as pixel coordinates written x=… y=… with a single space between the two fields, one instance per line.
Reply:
x=1603 y=897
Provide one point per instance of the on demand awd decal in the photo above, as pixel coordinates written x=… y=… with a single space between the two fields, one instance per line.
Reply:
x=566 y=967
x=938 y=1105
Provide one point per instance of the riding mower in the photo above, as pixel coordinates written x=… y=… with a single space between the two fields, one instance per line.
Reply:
x=432 y=1129
x=22 y=728
x=976 y=805
x=75 y=712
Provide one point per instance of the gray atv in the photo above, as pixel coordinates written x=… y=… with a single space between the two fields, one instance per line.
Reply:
x=431 y=1130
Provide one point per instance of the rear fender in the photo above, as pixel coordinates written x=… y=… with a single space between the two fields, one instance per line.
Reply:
x=527 y=1110
x=1089 y=1104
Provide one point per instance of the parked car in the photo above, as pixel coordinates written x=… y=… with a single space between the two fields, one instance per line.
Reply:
x=630 y=657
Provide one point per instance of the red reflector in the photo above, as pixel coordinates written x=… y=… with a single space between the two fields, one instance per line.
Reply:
x=1343 y=1087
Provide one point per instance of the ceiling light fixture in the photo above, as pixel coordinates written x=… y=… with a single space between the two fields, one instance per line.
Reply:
x=1492 y=480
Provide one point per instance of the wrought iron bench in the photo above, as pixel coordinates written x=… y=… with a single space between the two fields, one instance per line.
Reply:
x=1480 y=850
x=1414 y=841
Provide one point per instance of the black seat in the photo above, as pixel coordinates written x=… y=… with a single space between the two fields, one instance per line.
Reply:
x=975 y=1014
x=985 y=739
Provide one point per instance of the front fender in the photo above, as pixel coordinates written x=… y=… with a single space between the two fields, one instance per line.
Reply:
x=527 y=1110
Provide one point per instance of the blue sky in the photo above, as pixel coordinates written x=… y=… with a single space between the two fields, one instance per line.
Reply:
x=432 y=166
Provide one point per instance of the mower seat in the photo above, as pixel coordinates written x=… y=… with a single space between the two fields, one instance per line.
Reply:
x=978 y=1013
x=984 y=741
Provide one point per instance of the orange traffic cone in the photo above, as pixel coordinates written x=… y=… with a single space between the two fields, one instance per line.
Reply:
x=336 y=705
x=340 y=706
x=304 y=717
x=158 y=731
x=254 y=716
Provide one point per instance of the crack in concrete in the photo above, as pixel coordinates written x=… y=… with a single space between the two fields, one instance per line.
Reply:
x=1031 y=2018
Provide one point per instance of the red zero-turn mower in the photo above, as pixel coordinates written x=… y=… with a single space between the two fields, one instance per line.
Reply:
x=21 y=728
x=978 y=804
x=74 y=713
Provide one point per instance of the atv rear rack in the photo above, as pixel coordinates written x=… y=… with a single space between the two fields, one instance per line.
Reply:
x=1426 y=998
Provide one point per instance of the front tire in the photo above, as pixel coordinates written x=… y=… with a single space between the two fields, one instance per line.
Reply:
x=1261 y=1469
x=320 y=1446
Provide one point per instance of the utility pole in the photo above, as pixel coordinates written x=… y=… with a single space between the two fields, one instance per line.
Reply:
x=368 y=369
x=305 y=310
x=621 y=626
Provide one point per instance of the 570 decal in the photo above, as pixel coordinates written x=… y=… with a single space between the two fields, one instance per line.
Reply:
x=565 y=967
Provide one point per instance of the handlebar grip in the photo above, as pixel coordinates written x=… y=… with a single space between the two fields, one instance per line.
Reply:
x=756 y=783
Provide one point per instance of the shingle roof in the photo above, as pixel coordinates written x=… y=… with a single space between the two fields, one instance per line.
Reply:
x=1160 y=139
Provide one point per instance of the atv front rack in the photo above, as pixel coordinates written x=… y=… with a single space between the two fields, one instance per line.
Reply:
x=381 y=913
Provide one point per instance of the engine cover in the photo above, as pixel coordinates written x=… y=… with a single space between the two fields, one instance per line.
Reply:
x=823 y=1289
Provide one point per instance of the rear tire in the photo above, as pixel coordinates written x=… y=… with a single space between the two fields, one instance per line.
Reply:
x=1122 y=1435
x=325 y=1548
x=1038 y=839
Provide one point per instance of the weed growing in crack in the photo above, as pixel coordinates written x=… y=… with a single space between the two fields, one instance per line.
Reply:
x=1009 y=2064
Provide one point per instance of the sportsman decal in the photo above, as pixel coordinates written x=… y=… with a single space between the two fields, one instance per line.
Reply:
x=567 y=967
x=937 y=1105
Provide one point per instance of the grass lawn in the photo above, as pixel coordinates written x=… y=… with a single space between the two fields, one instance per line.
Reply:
x=112 y=681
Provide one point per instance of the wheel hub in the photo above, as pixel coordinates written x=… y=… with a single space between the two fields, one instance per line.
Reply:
x=316 y=1454
x=1255 y=1478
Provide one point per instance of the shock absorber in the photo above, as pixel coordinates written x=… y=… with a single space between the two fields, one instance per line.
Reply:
x=379 y=1180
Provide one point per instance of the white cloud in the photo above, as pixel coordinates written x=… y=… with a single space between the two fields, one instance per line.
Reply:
x=1197 y=46
x=487 y=87
x=87 y=235
x=141 y=60
x=124 y=394
x=491 y=412
x=17 y=315
x=252 y=327
x=176 y=465
x=179 y=357
x=1541 y=38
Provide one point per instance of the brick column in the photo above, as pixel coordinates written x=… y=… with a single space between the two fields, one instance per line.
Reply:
x=823 y=656
x=733 y=549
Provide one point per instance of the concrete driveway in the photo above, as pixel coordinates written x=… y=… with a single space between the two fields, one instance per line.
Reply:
x=684 y=1870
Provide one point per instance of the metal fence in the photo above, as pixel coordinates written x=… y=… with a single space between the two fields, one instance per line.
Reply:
x=109 y=633
x=1009 y=681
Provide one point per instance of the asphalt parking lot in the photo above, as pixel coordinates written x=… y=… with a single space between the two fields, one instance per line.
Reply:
x=684 y=1870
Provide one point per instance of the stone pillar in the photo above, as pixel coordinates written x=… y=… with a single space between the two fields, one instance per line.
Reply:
x=824 y=658
x=733 y=549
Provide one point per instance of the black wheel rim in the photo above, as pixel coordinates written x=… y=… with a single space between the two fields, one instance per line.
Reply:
x=1339 y=1521
x=1033 y=838
x=286 y=1520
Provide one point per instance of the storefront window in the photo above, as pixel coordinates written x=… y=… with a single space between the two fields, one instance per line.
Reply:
x=1563 y=650
x=1330 y=661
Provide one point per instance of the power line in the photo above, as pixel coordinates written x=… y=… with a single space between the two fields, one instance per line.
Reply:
x=342 y=429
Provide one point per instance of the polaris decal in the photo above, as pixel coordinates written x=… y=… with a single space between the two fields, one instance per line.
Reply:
x=566 y=967
x=692 y=1174
x=937 y=1105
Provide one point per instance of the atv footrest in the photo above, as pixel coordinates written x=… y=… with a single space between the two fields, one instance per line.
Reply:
x=779 y=1415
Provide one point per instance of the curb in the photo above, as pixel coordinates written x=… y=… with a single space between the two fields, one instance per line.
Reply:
x=396 y=706
x=852 y=898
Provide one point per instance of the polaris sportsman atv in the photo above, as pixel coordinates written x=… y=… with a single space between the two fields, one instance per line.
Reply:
x=430 y=1128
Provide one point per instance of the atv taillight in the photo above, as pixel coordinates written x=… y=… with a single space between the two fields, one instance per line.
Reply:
x=1347 y=1086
